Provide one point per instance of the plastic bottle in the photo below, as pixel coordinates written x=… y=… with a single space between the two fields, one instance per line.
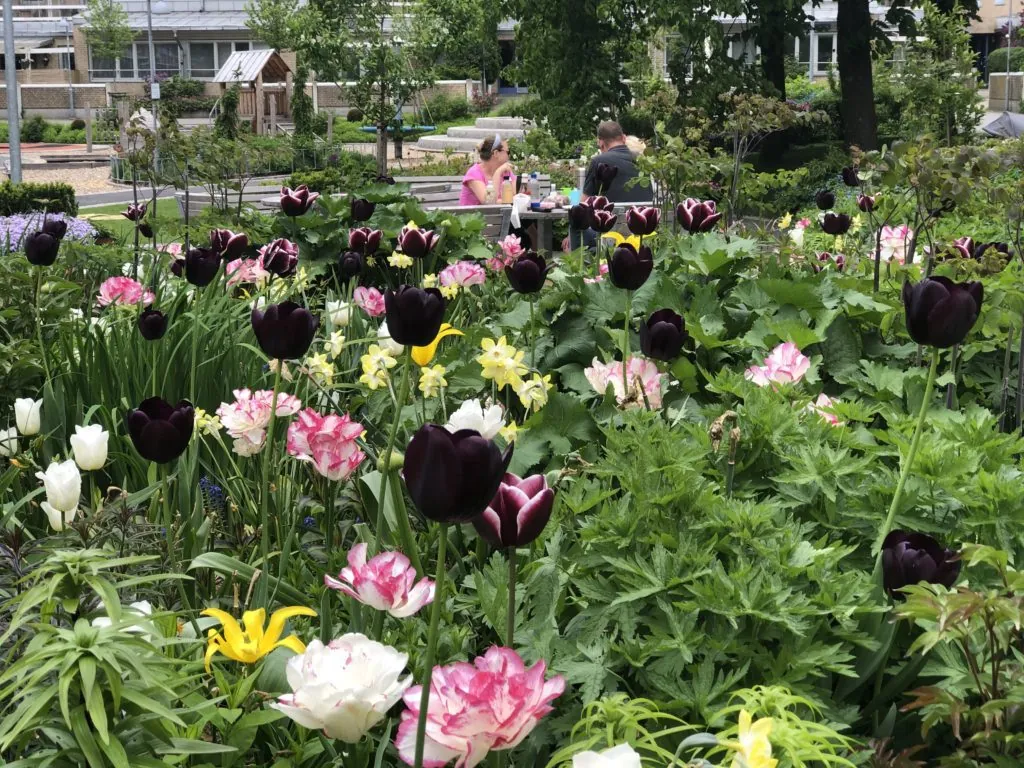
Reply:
x=534 y=187
x=489 y=195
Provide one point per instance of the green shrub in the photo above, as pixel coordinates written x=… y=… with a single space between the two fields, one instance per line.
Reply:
x=177 y=87
x=30 y=196
x=519 y=107
x=33 y=129
x=354 y=115
x=346 y=171
x=78 y=124
x=442 y=108
x=997 y=60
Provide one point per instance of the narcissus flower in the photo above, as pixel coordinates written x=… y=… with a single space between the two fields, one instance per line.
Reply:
x=252 y=643
x=284 y=331
x=502 y=362
x=400 y=260
x=754 y=749
x=697 y=216
x=386 y=582
x=910 y=558
x=939 y=312
x=159 y=431
x=422 y=356
x=414 y=314
x=473 y=415
x=518 y=512
x=432 y=380
x=295 y=202
x=533 y=393
x=376 y=363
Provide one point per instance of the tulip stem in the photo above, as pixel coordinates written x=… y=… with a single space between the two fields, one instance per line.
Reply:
x=510 y=627
x=39 y=321
x=268 y=450
x=195 y=347
x=404 y=530
x=625 y=346
x=403 y=394
x=909 y=463
x=428 y=661
x=533 y=338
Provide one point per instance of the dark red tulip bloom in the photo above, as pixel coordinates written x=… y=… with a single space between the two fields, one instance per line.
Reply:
x=939 y=312
x=160 y=432
x=55 y=228
x=581 y=216
x=145 y=228
x=364 y=240
x=605 y=174
x=850 y=177
x=200 y=266
x=295 y=202
x=41 y=249
x=281 y=257
x=416 y=243
x=663 y=335
x=152 y=324
x=414 y=314
x=600 y=203
x=825 y=259
x=910 y=558
x=629 y=268
x=982 y=248
x=134 y=212
x=603 y=221
x=836 y=224
x=350 y=264
x=452 y=477
x=362 y=209
x=284 y=331
x=696 y=215
x=825 y=199
x=643 y=220
x=518 y=512
x=866 y=203
x=229 y=245
x=963 y=247
x=527 y=273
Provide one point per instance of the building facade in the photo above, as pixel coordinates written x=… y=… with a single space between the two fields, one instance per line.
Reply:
x=43 y=31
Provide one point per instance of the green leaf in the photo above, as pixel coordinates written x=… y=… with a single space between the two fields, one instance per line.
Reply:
x=232 y=567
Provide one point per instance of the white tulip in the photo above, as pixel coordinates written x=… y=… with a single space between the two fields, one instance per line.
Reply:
x=26 y=415
x=472 y=415
x=63 y=484
x=142 y=609
x=797 y=236
x=345 y=688
x=619 y=756
x=340 y=313
x=8 y=441
x=90 y=446
x=392 y=347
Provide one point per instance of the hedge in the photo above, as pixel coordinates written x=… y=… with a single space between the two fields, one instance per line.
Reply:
x=997 y=60
x=30 y=196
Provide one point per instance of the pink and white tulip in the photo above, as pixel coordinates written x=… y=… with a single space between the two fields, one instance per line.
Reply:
x=246 y=272
x=247 y=418
x=895 y=243
x=785 y=365
x=492 y=704
x=386 y=582
x=642 y=375
x=327 y=442
x=370 y=300
x=462 y=274
x=823 y=407
x=123 y=291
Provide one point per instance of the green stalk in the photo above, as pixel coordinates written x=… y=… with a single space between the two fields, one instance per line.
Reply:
x=510 y=627
x=39 y=322
x=625 y=345
x=909 y=463
x=533 y=337
x=195 y=349
x=403 y=394
x=268 y=450
x=428 y=661
x=404 y=530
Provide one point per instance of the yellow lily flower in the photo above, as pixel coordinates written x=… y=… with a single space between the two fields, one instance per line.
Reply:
x=251 y=644
x=423 y=355
x=618 y=239
x=754 y=749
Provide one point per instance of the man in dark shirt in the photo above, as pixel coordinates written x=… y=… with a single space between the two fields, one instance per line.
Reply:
x=614 y=152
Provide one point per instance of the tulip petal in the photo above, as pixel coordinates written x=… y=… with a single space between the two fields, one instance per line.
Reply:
x=291 y=642
x=277 y=622
x=423 y=355
x=432 y=472
x=229 y=625
x=534 y=515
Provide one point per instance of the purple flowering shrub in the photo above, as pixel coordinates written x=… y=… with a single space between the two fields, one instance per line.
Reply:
x=13 y=229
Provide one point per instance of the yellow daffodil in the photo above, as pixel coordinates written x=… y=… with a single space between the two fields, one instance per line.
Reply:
x=423 y=355
x=502 y=362
x=207 y=424
x=249 y=642
x=400 y=260
x=334 y=344
x=319 y=369
x=510 y=432
x=618 y=239
x=753 y=750
x=430 y=281
x=837 y=246
x=533 y=393
x=432 y=379
x=376 y=363
x=450 y=291
x=785 y=221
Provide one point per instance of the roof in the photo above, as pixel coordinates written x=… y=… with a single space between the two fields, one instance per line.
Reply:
x=25 y=45
x=244 y=66
x=197 y=21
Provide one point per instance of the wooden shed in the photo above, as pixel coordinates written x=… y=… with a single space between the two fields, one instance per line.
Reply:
x=266 y=86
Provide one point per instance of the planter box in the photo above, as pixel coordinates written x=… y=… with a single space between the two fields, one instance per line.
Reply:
x=997 y=85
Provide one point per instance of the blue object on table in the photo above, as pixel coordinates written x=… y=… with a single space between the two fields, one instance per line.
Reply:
x=574 y=197
x=405 y=128
x=535 y=206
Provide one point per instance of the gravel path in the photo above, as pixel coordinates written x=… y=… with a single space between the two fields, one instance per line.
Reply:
x=84 y=180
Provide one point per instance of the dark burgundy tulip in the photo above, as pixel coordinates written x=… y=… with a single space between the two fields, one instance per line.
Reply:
x=527 y=273
x=199 y=266
x=159 y=431
x=145 y=229
x=285 y=331
x=963 y=247
x=825 y=258
x=603 y=221
x=629 y=268
x=518 y=512
x=414 y=314
x=581 y=216
x=362 y=209
x=385 y=180
x=696 y=215
x=41 y=249
x=364 y=240
x=643 y=220
x=134 y=212
x=825 y=199
x=152 y=324
x=55 y=228
x=350 y=264
x=982 y=248
x=600 y=203
x=836 y=224
x=416 y=243
x=452 y=477
x=228 y=244
x=910 y=558
x=605 y=174
x=866 y=203
x=663 y=335
x=850 y=177
x=940 y=312
x=295 y=202
x=281 y=257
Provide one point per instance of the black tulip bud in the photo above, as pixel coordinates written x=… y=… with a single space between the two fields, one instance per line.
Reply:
x=350 y=264
x=866 y=203
x=200 y=266
x=362 y=209
x=152 y=324
x=41 y=249
x=629 y=268
x=836 y=224
x=910 y=558
x=161 y=432
x=603 y=221
x=825 y=199
x=939 y=312
x=581 y=217
x=850 y=177
x=662 y=336
x=56 y=228
x=527 y=273
x=414 y=314
x=643 y=220
x=280 y=257
x=284 y=331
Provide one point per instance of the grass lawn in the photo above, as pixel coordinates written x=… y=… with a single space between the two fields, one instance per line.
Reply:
x=350 y=133
x=109 y=217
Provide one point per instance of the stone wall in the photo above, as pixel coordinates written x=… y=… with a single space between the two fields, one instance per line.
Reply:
x=997 y=91
x=54 y=100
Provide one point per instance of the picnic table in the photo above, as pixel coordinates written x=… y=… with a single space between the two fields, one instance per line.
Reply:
x=545 y=225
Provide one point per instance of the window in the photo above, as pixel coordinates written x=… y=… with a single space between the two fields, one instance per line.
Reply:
x=167 y=59
x=67 y=61
x=202 y=61
x=125 y=63
x=803 y=50
x=103 y=67
x=1000 y=2
x=826 y=53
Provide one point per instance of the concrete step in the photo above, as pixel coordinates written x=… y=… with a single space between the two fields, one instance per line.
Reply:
x=501 y=123
x=441 y=143
x=466 y=132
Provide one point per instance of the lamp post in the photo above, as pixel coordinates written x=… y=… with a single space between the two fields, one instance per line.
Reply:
x=67 y=54
x=13 y=112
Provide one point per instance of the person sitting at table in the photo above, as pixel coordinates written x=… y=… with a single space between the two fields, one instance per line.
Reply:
x=494 y=167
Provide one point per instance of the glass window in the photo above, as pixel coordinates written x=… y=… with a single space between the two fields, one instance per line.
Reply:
x=102 y=67
x=142 y=58
x=803 y=49
x=167 y=59
x=826 y=50
x=124 y=64
x=241 y=46
x=202 y=62
x=223 y=52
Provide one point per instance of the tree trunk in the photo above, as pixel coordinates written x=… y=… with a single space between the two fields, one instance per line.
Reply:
x=853 y=33
x=382 y=150
x=772 y=40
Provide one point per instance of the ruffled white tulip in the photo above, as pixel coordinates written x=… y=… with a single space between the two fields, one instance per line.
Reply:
x=142 y=609
x=63 y=484
x=619 y=756
x=89 y=445
x=339 y=312
x=386 y=342
x=345 y=688
x=26 y=415
x=472 y=415
x=8 y=441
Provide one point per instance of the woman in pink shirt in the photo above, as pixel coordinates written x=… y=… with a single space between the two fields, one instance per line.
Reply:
x=493 y=167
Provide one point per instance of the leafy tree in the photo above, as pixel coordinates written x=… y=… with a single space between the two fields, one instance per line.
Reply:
x=457 y=38
x=108 y=32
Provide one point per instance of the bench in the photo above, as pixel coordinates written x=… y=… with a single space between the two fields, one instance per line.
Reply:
x=444 y=191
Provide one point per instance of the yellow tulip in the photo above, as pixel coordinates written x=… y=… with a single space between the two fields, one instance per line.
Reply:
x=754 y=748
x=423 y=355
x=252 y=643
